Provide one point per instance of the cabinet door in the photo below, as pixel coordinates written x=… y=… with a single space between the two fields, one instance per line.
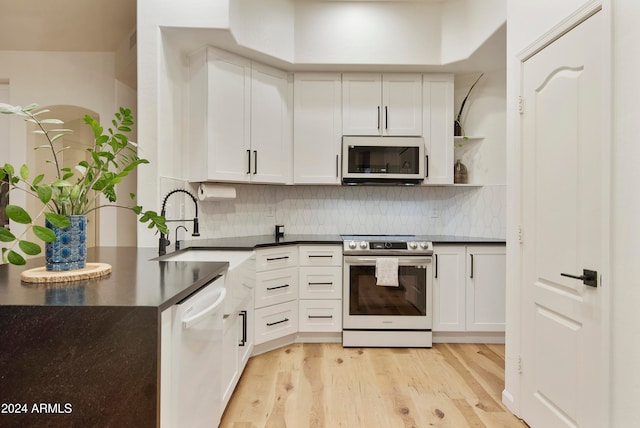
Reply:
x=270 y=136
x=230 y=350
x=317 y=128
x=401 y=113
x=218 y=127
x=486 y=286
x=361 y=103
x=449 y=288
x=438 y=128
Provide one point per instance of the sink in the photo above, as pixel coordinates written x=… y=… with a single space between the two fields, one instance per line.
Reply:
x=233 y=257
x=239 y=280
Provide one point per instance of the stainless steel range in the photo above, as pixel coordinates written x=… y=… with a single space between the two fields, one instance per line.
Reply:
x=387 y=295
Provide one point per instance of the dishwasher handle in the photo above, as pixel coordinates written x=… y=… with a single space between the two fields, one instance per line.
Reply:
x=187 y=323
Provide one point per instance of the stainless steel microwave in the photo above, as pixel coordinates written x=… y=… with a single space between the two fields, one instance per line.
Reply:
x=383 y=160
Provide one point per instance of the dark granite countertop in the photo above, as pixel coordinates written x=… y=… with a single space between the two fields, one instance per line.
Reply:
x=135 y=280
x=248 y=243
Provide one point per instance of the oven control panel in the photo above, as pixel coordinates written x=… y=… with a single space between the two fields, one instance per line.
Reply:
x=387 y=247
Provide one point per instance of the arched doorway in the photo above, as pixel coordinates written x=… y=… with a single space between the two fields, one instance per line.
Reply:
x=70 y=149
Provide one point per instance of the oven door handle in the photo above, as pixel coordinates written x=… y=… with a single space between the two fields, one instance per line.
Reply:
x=402 y=260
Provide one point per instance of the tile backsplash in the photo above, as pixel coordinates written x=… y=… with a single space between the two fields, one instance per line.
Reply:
x=464 y=211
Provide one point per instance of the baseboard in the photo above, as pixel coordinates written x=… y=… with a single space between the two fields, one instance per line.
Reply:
x=468 y=337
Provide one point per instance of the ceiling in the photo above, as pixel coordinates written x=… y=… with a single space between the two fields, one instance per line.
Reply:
x=66 y=25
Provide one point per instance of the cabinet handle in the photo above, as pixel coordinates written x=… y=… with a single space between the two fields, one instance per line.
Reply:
x=243 y=314
x=276 y=288
x=248 y=161
x=319 y=283
x=321 y=256
x=386 y=118
x=337 y=167
x=471 y=275
x=273 y=259
x=269 y=324
x=378 y=117
x=426 y=166
x=436 y=275
x=328 y=317
x=255 y=162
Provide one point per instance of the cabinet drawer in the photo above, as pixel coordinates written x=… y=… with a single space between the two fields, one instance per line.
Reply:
x=276 y=286
x=320 y=316
x=276 y=321
x=320 y=255
x=320 y=282
x=276 y=258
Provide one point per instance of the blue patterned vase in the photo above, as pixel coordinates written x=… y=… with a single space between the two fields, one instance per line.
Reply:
x=69 y=250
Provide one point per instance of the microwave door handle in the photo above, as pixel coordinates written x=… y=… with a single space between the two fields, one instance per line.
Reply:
x=426 y=166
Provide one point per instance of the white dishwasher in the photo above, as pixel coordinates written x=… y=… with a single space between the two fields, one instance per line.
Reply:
x=196 y=360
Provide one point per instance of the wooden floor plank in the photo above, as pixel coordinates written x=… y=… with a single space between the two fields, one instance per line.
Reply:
x=326 y=385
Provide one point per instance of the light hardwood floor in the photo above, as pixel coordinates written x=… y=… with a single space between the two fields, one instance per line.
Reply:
x=326 y=385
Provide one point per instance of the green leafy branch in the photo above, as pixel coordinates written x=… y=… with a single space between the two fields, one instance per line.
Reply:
x=72 y=191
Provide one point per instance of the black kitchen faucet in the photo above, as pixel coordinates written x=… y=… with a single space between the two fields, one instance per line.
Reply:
x=164 y=241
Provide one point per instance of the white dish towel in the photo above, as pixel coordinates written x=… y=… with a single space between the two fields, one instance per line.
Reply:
x=387 y=271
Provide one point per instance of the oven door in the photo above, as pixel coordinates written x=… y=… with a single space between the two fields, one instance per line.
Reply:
x=373 y=307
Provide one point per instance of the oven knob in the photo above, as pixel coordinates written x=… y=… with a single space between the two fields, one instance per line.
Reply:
x=364 y=245
x=424 y=245
x=353 y=245
x=413 y=245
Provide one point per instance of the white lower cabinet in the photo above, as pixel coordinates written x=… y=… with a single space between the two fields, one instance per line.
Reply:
x=320 y=316
x=276 y=293
x=237 y=345
x=320 y=292
x=469 y=285
x=276 y=321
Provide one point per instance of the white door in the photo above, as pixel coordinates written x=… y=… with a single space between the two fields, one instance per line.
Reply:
x=564 y=196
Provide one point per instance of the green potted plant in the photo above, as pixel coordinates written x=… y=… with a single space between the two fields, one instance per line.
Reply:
x=458 y=129
x=71 y=194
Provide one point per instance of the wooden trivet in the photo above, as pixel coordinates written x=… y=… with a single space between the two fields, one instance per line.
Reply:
x=43 y=276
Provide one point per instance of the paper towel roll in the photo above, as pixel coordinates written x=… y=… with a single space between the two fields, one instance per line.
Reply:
x=215 y=192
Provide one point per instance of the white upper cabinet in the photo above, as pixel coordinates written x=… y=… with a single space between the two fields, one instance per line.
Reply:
x=382 y=104
x=238 y=120
x=270 y=156
x=219 y=116
x=317 y=128
x=437 y=120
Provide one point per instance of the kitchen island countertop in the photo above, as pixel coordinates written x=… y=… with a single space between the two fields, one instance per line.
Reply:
x=136 y=280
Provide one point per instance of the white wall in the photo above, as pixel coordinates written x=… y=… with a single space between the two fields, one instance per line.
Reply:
x=625 y=224
x=264 y=26
x=56 y=78
x=367 y=33
x=468 y=23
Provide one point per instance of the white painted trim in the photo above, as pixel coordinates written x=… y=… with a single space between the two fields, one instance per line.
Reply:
x=468 y=337
x=580 y=15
